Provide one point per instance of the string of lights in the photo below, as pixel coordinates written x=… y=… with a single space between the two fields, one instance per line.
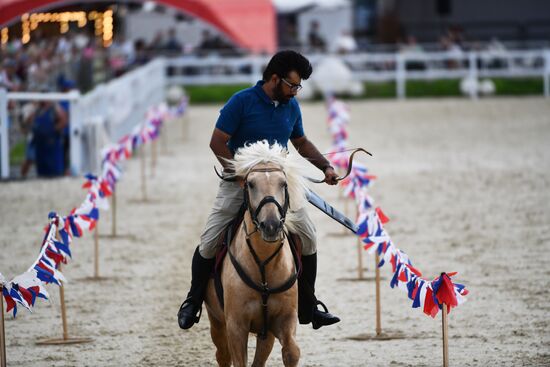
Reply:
x=103 y=24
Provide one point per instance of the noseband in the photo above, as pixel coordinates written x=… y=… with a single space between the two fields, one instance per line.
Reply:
x=268 y=199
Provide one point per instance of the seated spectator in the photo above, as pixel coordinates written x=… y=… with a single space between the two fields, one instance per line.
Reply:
x=289 y=38
x=141 y=54
x=207 y=43
x=411 y=48
x=8 y=77
x=316 y=42
x=173 y=46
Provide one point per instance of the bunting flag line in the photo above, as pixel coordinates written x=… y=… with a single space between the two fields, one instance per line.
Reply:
x=429 y=295
x=25 y=288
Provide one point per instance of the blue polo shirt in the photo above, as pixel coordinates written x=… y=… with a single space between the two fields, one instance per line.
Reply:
x=250 y=116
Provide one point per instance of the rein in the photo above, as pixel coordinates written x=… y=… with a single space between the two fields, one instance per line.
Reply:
x=263 y=288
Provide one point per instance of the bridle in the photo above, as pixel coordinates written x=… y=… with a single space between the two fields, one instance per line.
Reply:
x=268 y=199
x=263 y=288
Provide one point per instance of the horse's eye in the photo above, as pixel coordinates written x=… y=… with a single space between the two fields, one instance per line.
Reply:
x=284 y=185
x=250 y=185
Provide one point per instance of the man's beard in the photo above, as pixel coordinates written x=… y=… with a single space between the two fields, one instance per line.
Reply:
x=279 y=95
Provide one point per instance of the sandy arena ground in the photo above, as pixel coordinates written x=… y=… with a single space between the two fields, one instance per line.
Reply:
x=466 y=185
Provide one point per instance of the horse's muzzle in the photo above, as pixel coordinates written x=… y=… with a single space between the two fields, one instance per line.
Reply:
x=270 y=230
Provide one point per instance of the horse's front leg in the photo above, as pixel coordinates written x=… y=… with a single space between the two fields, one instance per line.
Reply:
x=219 y=337
x=285 y=331
x=237 y=338
x=263 y=349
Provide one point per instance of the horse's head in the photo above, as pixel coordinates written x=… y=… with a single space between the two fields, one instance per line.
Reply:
x=266 y=196
x=273 y=185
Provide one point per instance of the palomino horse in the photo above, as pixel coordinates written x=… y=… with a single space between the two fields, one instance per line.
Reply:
x=262 y=251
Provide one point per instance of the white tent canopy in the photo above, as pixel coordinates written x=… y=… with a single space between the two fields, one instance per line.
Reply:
x=290 y=6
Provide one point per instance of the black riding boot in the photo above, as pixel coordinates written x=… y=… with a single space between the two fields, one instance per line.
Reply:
x=307 y=302
x=201 y=269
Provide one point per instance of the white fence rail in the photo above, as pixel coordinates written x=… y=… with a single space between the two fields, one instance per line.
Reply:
x=376 y=67
x=104 y=114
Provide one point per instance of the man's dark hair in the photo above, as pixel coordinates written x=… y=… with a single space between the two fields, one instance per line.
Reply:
x=283 y=62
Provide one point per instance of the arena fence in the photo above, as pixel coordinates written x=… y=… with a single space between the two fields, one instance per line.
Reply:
x=377 y=67
x=104 y=114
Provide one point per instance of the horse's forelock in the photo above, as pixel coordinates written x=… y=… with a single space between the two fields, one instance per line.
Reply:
x=261 y=152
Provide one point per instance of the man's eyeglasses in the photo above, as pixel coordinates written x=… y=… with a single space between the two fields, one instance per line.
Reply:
x=293 y=87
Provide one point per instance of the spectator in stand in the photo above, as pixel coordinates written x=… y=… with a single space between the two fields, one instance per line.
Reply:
x=452 y=43
x=412 y=48
x=141 y=54
x=289 y=38
x=48 y=120
x=207 y=44
x=85 y=77
x=121 y=55
x=157 y=43
x=316 y=42
x=8 y=77
x=173 y=46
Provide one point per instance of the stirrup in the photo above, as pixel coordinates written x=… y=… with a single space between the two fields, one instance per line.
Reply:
x=322 y=304
x=324 y=318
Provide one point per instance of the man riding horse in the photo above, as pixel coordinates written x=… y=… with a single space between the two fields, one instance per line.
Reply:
x=266 y=111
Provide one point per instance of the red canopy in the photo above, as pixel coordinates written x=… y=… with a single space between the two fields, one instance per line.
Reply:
x=249 y=23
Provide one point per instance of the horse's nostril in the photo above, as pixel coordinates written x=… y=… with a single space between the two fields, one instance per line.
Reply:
x=269 y=226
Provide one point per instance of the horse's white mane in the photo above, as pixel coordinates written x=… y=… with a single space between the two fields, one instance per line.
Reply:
x=261 y=152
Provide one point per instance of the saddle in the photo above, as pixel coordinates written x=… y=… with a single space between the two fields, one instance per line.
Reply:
x=224 y=241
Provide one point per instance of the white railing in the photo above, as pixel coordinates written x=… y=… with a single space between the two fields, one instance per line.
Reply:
x=110 y=110
x=376 y=67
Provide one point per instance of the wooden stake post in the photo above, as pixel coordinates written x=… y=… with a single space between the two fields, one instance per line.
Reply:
x=184 y=122
x=378 y=303
x=359 y=254
x=164 y=140
x=153 y=157
x=444 y=325
x=2 y=334
x=96 y=251
x=143 y=183
x=113 y=205
x=359 y=259
x=66 y=339
x=63 y=309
